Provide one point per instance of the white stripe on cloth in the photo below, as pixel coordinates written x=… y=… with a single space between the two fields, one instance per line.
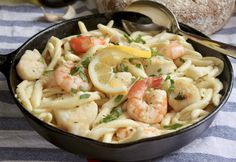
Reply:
x=231 y=23
x=224 y=118
x=17 y=138
x=229 y=39
x=17 y=31
x=24 y=16
x=211 y=145
x=232 y=97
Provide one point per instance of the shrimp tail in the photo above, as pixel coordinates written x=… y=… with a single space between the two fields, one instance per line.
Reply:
x=154 y=82
x=139 y=88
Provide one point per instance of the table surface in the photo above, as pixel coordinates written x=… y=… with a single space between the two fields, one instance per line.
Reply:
x=18 y=142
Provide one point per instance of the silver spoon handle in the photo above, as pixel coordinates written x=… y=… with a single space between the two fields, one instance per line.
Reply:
x=224 y=48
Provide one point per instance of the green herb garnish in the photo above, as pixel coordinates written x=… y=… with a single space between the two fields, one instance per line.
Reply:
x=172 y=82
x=73 y=90
x=118 y=98
x=159 y=70
x=115 y=113
x=83 y=76
x=138 y=65
x=180 y=96
x=123 y=68
x=75 y=70
x=174 y=126
x=79 y=71
x=129 y=39
x=42 y=60
x=155 y=52
x=139 y=39
x=86 y=62
x=84 y=96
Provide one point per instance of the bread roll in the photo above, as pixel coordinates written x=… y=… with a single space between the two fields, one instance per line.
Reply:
x=207 y=16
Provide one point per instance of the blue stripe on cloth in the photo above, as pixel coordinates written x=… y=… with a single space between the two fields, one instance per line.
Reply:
x=191 y=157
x=2 y=77
x=39 y=154
x=12 y=123
x=229 y=107
x=30 y=9
x=25 y=23
x=227 y=31
x=220 y=131
x=6 y=97
x=6 y=51
x=37 y=9
x=8 y=39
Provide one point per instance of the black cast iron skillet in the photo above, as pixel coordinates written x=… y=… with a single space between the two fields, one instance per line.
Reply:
x=133 y=151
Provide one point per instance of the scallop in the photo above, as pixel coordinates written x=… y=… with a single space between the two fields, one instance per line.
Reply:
x=77 y=120
x=31 y=65
x=159 y=65
x=185 y=93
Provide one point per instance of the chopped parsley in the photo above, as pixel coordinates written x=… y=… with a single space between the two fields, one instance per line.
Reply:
x=73 y=90
x=139 y=39
x=138 y=65
x=154 y=52
x=115 y=113
x=180 y=96
x=79 y=71
x=174 y=126
x=83 y=76
x=118 y=98
x=152 y=75
x=123 y=68
x=75 y=70
x=86 y=62
x=129 y=39
x=172 y=82
x=41 y=60
x=84 y=96
x=159 y=70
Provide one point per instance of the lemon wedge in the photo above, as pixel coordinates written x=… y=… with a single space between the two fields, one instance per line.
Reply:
x=132 y=51
x=101 y=67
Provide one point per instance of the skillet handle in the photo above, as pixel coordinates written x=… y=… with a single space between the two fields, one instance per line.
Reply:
x=5 y=63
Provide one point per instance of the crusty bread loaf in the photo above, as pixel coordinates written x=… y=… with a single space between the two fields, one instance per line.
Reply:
x=207 y=16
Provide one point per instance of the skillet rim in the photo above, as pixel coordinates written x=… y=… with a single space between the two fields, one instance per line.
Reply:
x=15 y=53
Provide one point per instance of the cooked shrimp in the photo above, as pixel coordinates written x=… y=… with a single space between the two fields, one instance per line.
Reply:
x=145 y=105
x=173 y=51
x=184 y=94
x=68 y=82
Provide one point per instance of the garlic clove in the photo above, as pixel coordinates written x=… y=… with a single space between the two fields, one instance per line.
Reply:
x=50 y=17
x=70 y=13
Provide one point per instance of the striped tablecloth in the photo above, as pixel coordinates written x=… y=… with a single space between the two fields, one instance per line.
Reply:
x=18 y=142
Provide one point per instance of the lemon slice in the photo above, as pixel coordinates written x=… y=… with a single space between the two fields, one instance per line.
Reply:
x=101 y=67
x=132 y=51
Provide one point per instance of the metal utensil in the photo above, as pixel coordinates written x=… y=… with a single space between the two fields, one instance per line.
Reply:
x=173 y=27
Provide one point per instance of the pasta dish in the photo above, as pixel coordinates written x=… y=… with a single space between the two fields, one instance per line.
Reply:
x=113 y=87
